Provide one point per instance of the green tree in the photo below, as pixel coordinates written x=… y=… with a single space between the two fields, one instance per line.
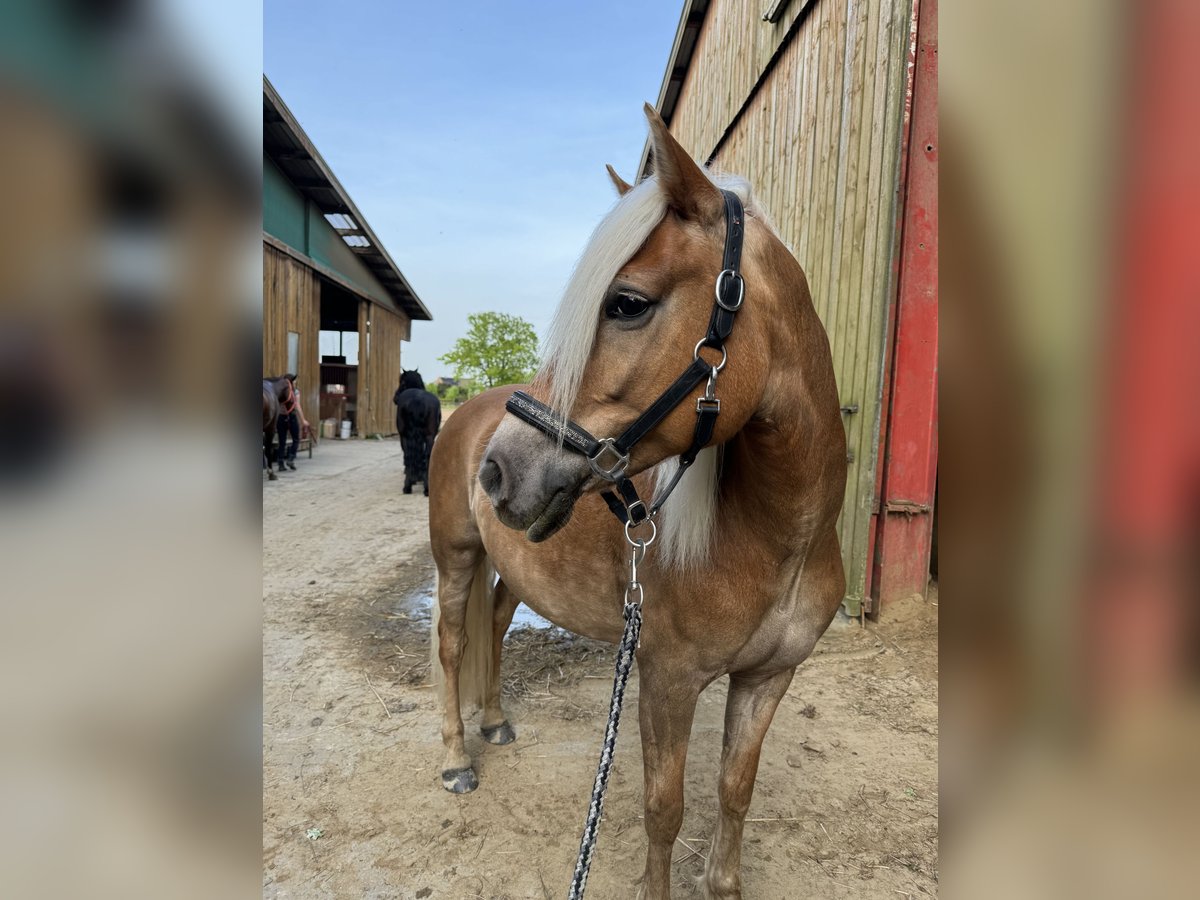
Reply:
x=497 y=349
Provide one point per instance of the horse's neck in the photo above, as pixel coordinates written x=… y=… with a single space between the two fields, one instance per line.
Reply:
x=780 y=478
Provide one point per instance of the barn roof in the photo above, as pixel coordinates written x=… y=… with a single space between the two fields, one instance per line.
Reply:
x=289 y=148
x=687 y=35
x=691 y=20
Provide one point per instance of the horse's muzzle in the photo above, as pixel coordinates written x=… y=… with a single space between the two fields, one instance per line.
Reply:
x=533 y=487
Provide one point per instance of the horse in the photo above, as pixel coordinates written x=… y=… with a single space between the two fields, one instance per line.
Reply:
x=276 y=392
x=418 y=418
x=746 y=573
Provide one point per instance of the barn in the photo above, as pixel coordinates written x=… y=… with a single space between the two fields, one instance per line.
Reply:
x=829 y=107
x=335 y=305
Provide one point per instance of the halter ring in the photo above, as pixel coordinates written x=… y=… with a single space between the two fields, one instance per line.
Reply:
x=724 y=354
x=642 y=543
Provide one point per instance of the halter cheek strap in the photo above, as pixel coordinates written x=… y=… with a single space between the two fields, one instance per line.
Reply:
x=609 y=457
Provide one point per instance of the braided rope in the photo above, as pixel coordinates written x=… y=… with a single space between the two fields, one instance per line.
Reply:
x=625 y=652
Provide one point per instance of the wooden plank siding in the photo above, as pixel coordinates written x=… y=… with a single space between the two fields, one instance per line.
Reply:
x=385 y=332
x=362 y=395
x=810 y=111
x=733 y=49
x=292 y=302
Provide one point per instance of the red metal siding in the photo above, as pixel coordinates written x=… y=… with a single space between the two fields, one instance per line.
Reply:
x=1138 y=597
x=903 y=525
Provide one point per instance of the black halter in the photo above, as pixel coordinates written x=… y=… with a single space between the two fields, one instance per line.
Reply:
x=609 y=457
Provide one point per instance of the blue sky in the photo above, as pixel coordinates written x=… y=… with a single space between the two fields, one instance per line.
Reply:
x=473 y=136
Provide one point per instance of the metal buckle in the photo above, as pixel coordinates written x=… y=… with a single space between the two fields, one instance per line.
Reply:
x=741 y=290
x=710 y=402
x=617 y=469
x=645 y=512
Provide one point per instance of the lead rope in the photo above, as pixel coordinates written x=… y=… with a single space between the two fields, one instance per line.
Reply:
x=630 y=641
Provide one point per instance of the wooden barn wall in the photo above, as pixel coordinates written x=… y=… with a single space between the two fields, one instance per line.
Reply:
x=385 y=331
x=291 y=302
x=733 y=49
x=820 y=143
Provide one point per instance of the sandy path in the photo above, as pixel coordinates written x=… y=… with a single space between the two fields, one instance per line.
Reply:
x=846 y=802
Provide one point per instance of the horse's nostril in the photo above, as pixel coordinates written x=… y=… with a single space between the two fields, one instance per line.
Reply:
x=490 y=476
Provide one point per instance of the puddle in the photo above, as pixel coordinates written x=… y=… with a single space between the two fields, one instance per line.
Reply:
x=423 y=600
x=526 y=616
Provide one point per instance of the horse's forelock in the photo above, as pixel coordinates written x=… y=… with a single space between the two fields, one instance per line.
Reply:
x=573 y=330
x=615 y=241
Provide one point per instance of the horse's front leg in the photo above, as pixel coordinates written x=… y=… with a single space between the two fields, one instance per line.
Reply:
x=666 y=706
x=454 y=591
x=269 y=453
x=494 y=724
x=749 y=709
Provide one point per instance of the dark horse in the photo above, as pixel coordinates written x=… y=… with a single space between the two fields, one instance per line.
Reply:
x=418 y=418
x=276 y=392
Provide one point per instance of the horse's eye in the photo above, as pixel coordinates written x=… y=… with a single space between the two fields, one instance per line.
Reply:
x=627 y=306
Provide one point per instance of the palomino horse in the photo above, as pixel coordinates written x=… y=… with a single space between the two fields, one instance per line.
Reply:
x=746 y=573
x=418 y=418
x=276 y=392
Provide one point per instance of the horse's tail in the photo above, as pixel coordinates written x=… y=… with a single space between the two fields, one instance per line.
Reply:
x=475 y=669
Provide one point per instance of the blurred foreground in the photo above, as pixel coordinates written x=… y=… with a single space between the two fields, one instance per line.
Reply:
x=129 y=526
x=1071 y=438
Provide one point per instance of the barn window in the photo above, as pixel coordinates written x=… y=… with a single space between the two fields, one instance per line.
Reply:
x=293 y=364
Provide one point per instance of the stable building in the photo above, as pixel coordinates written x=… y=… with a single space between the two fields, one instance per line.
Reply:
x=336 y=307
x=829 y=108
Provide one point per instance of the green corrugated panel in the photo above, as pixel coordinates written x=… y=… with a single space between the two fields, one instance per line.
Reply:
x=284 y=208
x=292 y=218
x=326 y=246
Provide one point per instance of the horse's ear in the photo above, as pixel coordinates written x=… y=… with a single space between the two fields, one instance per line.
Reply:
x=623 y=187
x=687 y=189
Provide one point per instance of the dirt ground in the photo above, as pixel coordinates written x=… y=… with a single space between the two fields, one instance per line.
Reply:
x=846 y=800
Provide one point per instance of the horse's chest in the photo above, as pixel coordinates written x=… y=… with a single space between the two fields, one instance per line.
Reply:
x=745 y=626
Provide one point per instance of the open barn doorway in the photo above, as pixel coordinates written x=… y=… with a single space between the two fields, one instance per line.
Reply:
x=339 y=340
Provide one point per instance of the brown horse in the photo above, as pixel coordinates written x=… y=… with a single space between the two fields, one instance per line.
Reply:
x=746 y=573
x=276 y=392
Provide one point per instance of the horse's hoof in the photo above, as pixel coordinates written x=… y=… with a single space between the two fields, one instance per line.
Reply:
x=408 y=489
x=271 y=476
x=459 y=781
x=499 y=734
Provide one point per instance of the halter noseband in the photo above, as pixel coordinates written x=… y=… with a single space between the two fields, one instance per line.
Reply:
x=609 y=457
